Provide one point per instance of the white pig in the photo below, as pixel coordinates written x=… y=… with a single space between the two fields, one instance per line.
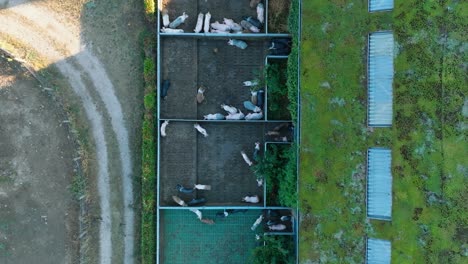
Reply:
x=219 y=26
x=254 y=116
x=216 y=116
x=178 y=201
x=260 y=12
x=232 y=25
x=202 y=187
x=218 y=31
x=247 y=25
x=259 y=182
x=199 y=25
x=251 y=199
x=238 y=43
x=178 y=21
x=163 y=128
x=201 y=130
x=230 y=109
x=237 y=116
x=198 y=213
x=278 y=227
x=257 y=222
x=165 y=18
x=170 y=30
x=246 y=158
x=250 y=83
x=228 y=21
x=206 y=27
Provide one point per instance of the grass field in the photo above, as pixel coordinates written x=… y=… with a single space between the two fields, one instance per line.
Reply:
x=428 y=137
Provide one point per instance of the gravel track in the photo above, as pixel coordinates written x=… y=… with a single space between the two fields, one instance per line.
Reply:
x=42 y=30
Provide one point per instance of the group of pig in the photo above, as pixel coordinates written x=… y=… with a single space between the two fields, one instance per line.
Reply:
x=196 y=126
x=185 y=190
x=276 y=222
x=255 y=105
x=248 y=23
x=181 y=189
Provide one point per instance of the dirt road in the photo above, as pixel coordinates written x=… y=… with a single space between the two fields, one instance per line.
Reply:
x=95 y=48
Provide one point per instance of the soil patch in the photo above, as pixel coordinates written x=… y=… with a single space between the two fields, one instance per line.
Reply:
x=38 y=219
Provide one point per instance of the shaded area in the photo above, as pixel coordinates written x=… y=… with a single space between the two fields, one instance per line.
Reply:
x=184 y=239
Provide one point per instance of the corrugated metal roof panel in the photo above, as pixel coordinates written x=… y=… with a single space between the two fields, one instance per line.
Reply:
x=380 y=79
x=380 y=5
x=378 y=251
x=379 y=183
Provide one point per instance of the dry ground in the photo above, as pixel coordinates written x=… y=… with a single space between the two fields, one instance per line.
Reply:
x=90 y=56
x=38 y=217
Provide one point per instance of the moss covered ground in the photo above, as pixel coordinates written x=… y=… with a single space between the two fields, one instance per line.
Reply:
x=428 y=137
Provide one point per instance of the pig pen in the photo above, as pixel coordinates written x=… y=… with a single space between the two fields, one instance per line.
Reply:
x=188 y=158
x=191 y=60
x=184 y=239
x=235 y=10
x=189 y=63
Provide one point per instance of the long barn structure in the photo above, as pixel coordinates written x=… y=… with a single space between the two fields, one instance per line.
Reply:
x=188 y=61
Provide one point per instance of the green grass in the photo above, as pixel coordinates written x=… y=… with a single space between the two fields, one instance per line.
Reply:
x=429 y=173
x=429 y=83
x=78 y=186
x=334 y=136
x=148 y=183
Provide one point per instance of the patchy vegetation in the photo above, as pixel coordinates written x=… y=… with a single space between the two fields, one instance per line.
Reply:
x=278 y=11
x=277 y=249
x=148 y=183
x=429 y=171
x=292 y=70
x=279 y=164
x=278 y=168
x=276 y=79
x=150 y=8
x=429 y=135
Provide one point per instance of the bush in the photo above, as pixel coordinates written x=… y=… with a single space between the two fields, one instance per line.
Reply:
x=277 y=250
x=149 y=9
x=292 y=70
x=277 y=91
x=278 y=168
x=149 y=70
x=150 y=101
x=148 y=166
x=287 y=192
x=148 y=229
